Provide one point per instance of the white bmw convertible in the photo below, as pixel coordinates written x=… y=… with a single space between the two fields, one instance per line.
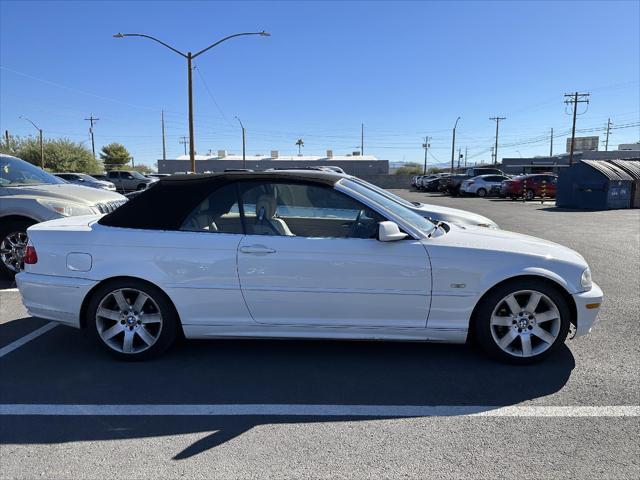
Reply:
x=304 y=255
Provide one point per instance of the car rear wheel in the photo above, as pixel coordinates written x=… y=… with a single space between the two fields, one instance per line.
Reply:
x=530 y=194
x=481 y=192
x=132 y=320
x=522 y=322
x=13 y=241
x=142 y=186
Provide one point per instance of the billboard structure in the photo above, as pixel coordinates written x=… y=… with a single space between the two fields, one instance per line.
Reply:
x=584 y=144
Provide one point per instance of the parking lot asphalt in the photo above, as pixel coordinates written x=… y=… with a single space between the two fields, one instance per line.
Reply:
x=544 y=436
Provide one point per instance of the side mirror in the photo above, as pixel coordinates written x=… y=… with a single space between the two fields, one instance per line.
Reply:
x=390 y=232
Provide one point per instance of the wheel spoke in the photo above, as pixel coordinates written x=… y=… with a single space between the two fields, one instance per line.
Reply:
x=140 y=301
x=546 y=316
x=543 y=335
x=121 y=301
x=110 y=314
x=127 y=346
x=526 y=345
x=112 y=332
x=514 y=306
x=146 y=337
x=508 y=339
x=534 y=300
x=499 y=321
x=150 y=318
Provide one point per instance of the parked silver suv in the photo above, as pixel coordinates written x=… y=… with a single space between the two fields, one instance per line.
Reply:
x=29 y=195
x=129 y=180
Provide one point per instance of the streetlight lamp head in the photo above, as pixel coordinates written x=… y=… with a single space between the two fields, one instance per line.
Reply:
x=265 y=34
x=118 y=35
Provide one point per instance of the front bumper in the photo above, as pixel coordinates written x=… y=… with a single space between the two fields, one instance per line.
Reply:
x=53 y=298
x=587 y=317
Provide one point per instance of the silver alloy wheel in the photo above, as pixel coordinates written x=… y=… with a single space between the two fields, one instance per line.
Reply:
x=481 y=192
x=12 y=250
x=525 y=323
x=128 y=320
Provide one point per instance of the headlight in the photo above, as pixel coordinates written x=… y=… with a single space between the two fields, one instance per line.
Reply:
x=67 y=209
x=585 y=280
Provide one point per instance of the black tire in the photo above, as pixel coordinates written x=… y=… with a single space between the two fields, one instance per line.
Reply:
x=530 y=195
x=170 y=328
x=482 y=192
x=141 y=186
x=482 y=321
x=8 y=228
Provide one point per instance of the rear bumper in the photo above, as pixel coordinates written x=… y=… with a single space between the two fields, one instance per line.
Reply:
x=53 y=298
x=587 y=317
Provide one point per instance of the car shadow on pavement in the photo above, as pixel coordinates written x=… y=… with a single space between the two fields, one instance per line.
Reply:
x=66 y=367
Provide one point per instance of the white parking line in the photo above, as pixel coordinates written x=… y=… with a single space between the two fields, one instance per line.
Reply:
x=9 y=290
x=320 y=410
x=27 y=338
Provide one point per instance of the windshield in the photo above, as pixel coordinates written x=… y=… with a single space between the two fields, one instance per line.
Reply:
x=397 y=209
x=386 y=193
x=138 y=175
x=15 y=172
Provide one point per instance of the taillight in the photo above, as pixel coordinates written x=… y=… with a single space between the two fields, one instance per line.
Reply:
x=30 y=256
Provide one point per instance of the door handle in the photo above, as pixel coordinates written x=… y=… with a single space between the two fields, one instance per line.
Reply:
x=257 y=249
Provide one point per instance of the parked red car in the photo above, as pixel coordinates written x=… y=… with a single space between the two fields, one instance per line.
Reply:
x=516 y=188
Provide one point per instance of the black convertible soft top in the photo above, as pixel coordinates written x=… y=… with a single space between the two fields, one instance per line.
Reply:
x=166 y=203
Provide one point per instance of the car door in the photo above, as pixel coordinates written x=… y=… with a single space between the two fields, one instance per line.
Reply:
x=198 y=262
x=114 y=177
x=310 y=258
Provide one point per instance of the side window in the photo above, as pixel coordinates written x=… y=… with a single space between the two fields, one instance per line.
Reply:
x=306 y=210
x=218 y=213
x=126 y=175
x=112 y=175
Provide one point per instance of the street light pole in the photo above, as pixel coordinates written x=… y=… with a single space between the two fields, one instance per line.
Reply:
x=244 y=156
x=453 y=143
x=41 y=141
x=190 y=57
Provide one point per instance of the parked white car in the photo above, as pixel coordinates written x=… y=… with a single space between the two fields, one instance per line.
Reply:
x=299 y=255
x=482 y=185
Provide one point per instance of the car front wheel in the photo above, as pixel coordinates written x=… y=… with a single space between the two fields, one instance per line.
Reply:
x=522 y=322
x=132 y=320
x=481 y=192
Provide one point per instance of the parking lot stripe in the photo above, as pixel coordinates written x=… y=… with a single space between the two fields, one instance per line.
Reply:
x=9 y=290
x=27 y=338
x=321 y=410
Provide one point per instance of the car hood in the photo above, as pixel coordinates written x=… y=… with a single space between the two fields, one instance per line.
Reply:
x=511 y=242
x=66 y=192
x=454 y=215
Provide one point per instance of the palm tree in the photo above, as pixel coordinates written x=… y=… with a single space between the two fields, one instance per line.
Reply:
x=300 y=144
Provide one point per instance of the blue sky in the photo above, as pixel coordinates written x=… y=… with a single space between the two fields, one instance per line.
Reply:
x=405 y=70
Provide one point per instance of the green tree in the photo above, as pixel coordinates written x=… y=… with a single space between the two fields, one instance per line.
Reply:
x=143 y=169
x=114 y=155
x=60 y=155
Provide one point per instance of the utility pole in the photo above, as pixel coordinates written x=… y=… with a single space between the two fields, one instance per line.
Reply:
x=466 y=152
x=606 y=143
x=495 y=150
x=6 y=137
x=164 y=145
x=92 y=120
x=183 y=141
x=492 y=152
x=551 y=147
x=426 y=146
x=459 y=157
x=362 y=139
x=574 y=99
x=453 y=143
